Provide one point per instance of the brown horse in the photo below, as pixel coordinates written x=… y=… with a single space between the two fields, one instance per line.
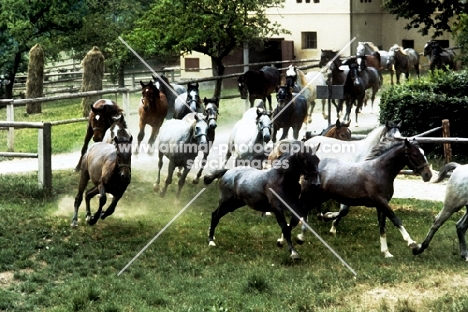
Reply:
x=340 y=130
x=108 y=166
x=102 y=115
x=152 y=109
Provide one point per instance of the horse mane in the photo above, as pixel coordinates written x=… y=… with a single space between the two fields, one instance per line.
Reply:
x=302 y=77
x=384 y=146
x=324 y=131
x=370 y=45
x=396 y=47
x=111 y=107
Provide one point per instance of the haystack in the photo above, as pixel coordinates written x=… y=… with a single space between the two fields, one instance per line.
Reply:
x=93 y=74
x=35 y=80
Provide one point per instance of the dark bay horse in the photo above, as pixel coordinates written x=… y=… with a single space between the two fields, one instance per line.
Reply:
x=439 y=58
x=259 y=84
x=108 y=166
x=180 y=142
x=153 y=110
x=401 y=61
x=247 y=186
x=102 y=115
x=368 y=71
x=456 y=198
x=290 y=112
x=369 y=183
x=365 y=48
x=354 y=91
x=211 y=116
x=248 y=139
x=189 y=102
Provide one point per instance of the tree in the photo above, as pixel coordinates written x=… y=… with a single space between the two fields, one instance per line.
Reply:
x=24 y=23
x=460 y=29
x=104 y=22
x=427 y=14
x=212 y=27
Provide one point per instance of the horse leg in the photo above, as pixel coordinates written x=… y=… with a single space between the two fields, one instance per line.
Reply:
x=439 y=220
x=273 y=135
x=324 y=114
x=462 y=226
x=311 y=106
x=391 y=76
x=269 y=102
x=285 y=133
x=84 y=178
x=141 y=135
x=344 y=210
x=385 y=209
x=88 y=136
x=110 y=210
x=181 y=183
x=225 y=206
x=196 y=180
x=170 y=172
x=102 y=201
x=383 y=235
x=286 y=230
x=152 y=138
x=158 y=180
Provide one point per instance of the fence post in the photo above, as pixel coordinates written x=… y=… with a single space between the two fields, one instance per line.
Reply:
x=447 y=146
x=10 y=116
x=126 y=102
x=44 y=156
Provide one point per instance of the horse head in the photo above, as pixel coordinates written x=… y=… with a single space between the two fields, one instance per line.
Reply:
x=101 y=117
x=392 y=129
x=341 y=130
x=123 y=145
x=211 y=111
x=291 y=76
x=416 y=160
x=149 y=94
x=193 y=96
x=264 y=124
x=200 y=130
x=326 y=56
x=242 y=85
x=307 y=161
x=284 y=95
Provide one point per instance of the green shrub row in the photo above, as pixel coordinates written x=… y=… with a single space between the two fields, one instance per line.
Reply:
x=422 y=104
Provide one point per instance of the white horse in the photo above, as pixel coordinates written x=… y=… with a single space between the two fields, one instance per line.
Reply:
x=248 y=139
x=456 y=198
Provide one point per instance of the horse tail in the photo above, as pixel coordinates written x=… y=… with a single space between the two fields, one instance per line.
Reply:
x=216 y=174
x=445 y=170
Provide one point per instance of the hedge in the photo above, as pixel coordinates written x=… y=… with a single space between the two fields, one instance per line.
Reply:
x=422 y=104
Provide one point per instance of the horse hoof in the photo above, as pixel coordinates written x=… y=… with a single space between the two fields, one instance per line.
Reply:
x=300 y=239
x=156 y=188
x=195 y=181
x=91 y=221
x=176 y=201
x=74 y=225
x=295 y=256
x=211 y=243
x=279 y=242
x=413 y=245
x=417 y=250
x=388 y=255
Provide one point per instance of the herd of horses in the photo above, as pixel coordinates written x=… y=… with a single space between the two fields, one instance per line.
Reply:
x=293 y=174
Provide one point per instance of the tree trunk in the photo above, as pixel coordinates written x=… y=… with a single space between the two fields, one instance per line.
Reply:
x=121 y=76
x=218 y=71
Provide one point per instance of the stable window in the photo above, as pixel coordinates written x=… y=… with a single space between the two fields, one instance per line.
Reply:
x=407 y=44
x=192 y=64
x=309 y=40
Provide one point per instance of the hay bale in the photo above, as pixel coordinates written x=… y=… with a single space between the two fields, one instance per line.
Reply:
x=35 y=80
x=93 y=74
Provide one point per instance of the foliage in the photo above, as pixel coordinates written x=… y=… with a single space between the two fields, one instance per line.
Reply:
x=25 y=23
x=460 y=30
x=427 y=14
x=212 y=27
x=422 y=105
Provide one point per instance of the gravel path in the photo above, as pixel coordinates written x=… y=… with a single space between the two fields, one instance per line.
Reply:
x=405 y=186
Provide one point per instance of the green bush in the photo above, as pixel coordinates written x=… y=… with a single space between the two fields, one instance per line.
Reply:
x=422 y=105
